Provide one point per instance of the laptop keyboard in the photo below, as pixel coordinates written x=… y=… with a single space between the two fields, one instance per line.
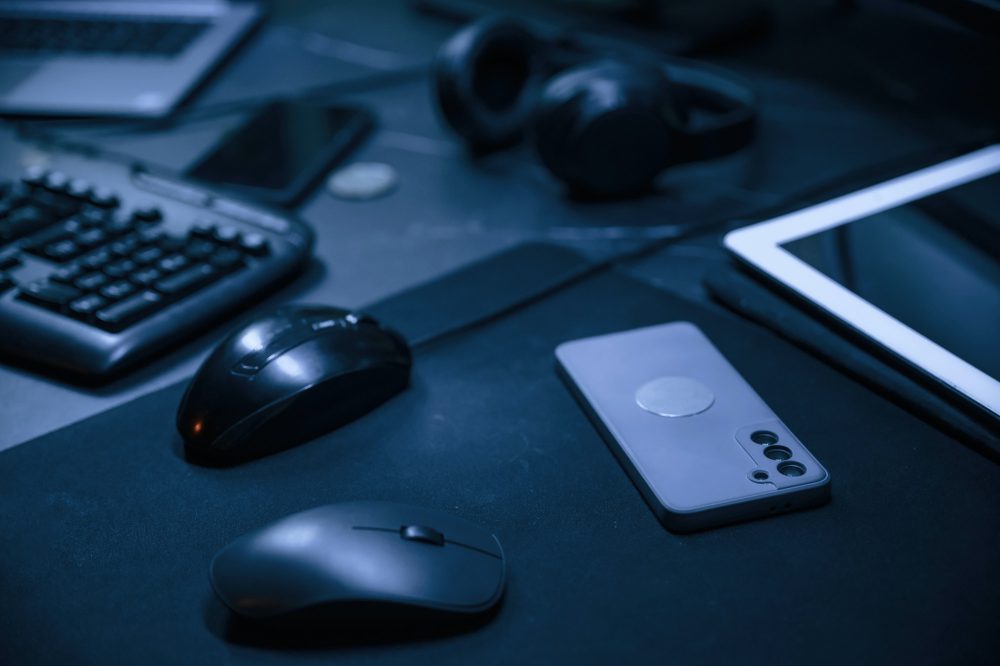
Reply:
x=163 y=38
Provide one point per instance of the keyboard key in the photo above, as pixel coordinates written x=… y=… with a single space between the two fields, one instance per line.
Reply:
x=118 y=226
x=23 y=222
x=36 y=243
x=62 y=251
x=226 y=235
x=96 y=259
x=145 y=276
x=18 y=194
x=122 y=313
x=199 y=249
x=171 y=243
x=147 y=214
x=120 y=268
x=66 y=275
x=9 y=260
x=90 y=238
x=92 y=217
x=201 y=230
x=149 y=236
x=87 y=305
x=125 y=246
x=227 y=260
x=74 y=226
x=118 y=290
x=103 y=197
x=147 y=255
x=78 y=188
x=34 y=175
x=172 y=263
x=58 y=205
x=49 y=294
x=254 y=244
x=56 y=181
x=91 y=281
x=188 y=280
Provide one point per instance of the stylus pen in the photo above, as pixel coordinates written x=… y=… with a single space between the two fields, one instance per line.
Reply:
x=745 y=296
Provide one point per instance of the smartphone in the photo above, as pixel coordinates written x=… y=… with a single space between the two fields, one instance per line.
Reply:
x=697 y=441
x=277 y=155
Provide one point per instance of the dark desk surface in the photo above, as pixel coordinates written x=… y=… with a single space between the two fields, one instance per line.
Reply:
x=823 y=114
x=826 y=110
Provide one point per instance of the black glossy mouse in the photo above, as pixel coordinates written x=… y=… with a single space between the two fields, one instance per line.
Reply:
x=289 y=377
x=375 y=558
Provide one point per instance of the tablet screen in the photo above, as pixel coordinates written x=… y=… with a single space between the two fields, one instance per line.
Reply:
x=933 y=264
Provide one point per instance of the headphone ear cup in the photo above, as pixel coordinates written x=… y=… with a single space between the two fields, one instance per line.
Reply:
x=606 y=129
x=487 y=79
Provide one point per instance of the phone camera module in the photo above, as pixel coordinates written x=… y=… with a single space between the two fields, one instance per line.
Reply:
x=792 y=468
x=778 y=452
x=764 y=437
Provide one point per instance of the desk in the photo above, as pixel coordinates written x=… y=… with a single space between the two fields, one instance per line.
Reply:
x=449 y=211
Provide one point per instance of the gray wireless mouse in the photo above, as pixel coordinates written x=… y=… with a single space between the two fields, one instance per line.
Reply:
x=374 y=556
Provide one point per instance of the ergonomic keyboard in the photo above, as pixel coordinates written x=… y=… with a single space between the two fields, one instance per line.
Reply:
x=102 y=265
x=104 y=36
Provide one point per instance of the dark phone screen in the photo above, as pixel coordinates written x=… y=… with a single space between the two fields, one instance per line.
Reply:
x=274 y=147
x=933 y=264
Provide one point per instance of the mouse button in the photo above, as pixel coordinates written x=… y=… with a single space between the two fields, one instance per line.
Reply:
x=464 y=533
x=462 y=577
x=261 y=333
x=257 y=359
x=259 y=576
x=315 y=358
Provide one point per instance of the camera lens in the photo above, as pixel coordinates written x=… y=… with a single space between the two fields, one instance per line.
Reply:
x=778 y=452
x=759 y=475
x=792 y=468
x=764 y=437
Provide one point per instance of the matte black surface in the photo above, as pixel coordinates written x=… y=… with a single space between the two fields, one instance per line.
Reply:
x=108 y=531
x=287 y=377
x=375 y=553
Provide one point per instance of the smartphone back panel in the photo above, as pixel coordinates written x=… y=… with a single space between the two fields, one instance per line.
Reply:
x=696 y=439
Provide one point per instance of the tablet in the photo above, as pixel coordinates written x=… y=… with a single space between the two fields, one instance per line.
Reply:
x=912 y=264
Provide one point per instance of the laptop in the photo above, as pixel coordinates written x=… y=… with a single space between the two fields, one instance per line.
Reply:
x=124 y=58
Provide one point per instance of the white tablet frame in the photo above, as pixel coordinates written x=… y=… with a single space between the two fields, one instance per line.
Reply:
x=759 y=245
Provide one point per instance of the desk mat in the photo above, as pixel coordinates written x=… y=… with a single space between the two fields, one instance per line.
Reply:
x=107 y=532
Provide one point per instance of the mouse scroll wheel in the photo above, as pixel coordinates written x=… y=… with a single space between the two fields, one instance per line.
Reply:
x=421 y=533
x=356 y=318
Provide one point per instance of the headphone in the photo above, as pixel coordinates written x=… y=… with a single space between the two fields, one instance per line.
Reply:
x=606 y=125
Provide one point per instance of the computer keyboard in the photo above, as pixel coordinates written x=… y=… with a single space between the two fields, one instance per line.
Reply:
x=98 y=36
x=102 y=265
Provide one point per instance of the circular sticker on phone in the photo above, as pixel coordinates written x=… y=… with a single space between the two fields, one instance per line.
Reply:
x=674 y=397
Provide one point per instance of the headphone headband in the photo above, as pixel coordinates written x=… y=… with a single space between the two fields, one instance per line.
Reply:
x=732 y=118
